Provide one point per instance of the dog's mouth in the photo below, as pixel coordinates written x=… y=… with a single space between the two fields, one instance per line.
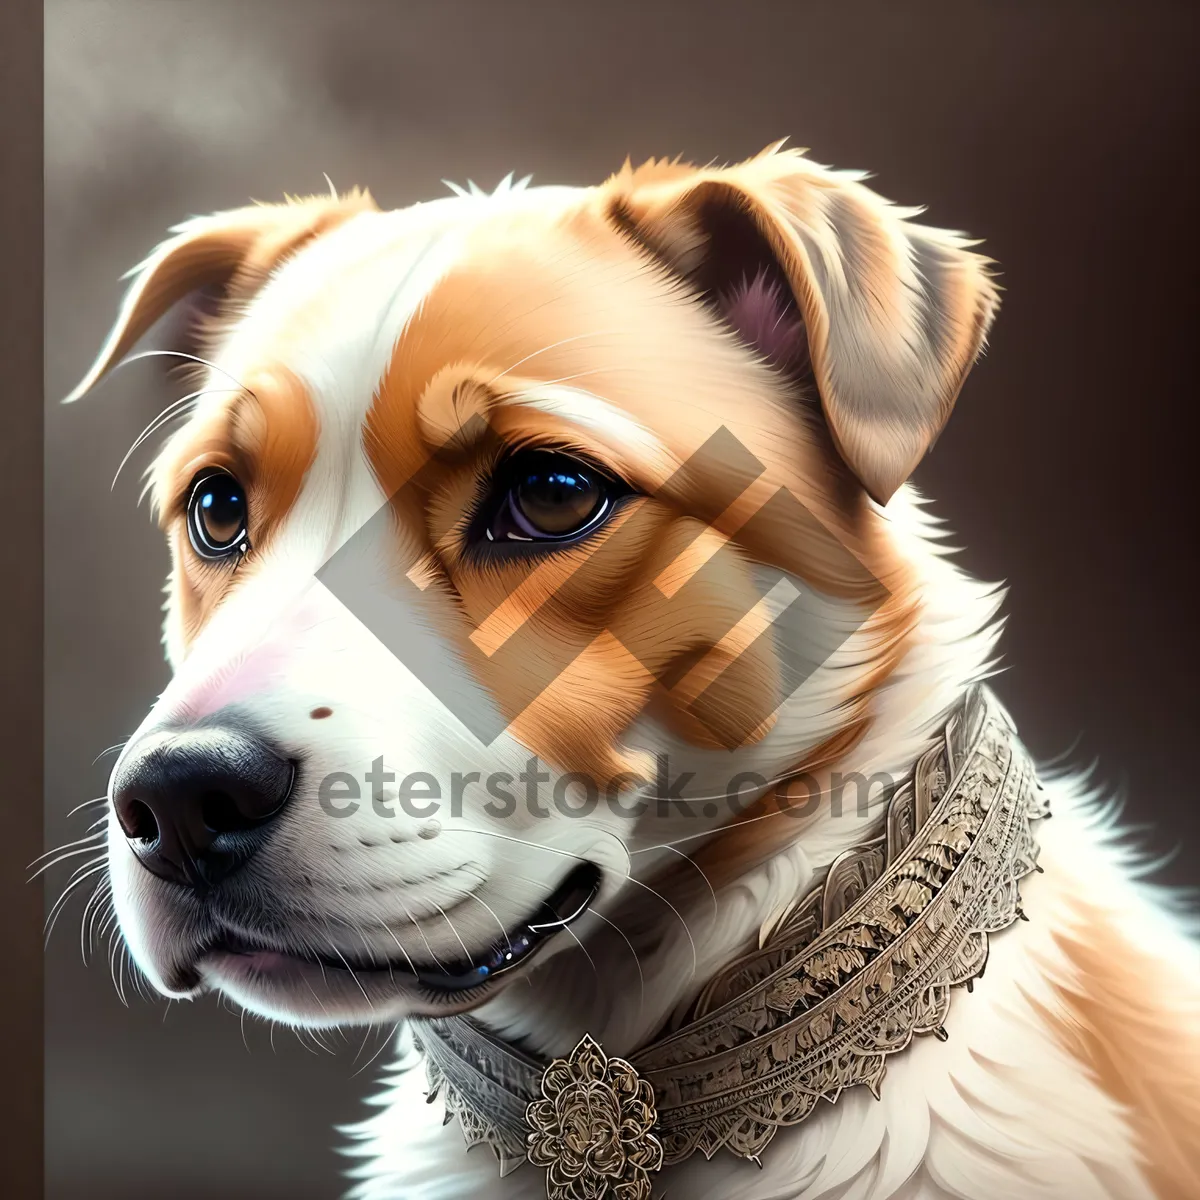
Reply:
x=566 y=904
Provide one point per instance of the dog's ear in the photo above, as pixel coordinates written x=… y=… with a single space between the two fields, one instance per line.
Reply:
x=216 y=261
x=825 y=278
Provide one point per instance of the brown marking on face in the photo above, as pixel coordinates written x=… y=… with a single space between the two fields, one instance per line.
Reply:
x=575 y=722
x=453 y=407
x=319 y=714
x=588 y=310
x=1127 y=1016
x=275 y=433
x=266 y=437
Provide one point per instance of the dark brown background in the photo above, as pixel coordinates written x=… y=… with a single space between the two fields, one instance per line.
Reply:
x=1064 y=134
x=21 y=595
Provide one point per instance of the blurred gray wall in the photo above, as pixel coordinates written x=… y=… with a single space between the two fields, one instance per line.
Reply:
x=1065 y=134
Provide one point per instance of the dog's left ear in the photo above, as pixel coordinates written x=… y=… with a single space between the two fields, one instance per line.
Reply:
x=224 y=258
x=820 y=275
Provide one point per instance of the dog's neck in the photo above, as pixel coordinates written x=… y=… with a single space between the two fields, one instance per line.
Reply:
x=635 y=971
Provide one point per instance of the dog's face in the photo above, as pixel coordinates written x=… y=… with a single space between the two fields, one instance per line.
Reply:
x=583 y=476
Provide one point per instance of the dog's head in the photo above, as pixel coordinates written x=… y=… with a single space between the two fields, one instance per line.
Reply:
x=494 y=519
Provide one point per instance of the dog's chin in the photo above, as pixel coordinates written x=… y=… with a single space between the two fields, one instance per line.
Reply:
x=321 y=990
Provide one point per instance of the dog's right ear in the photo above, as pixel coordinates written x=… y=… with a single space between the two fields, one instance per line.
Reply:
x=822 y=277
x=229 y=255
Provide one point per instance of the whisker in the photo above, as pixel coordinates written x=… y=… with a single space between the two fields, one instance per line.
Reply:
x=591 y=961
x=321 y=1043
x=383 y=1044
x=628 y=877
x=95 y=825
x=204 y=362
x=349 y=968
x=141 y=984
x=64 y=852
x=417 y=926
x=546 y=349
x=296 y=1030
x=361 y=1046
x=83 y=922
x=371 y=954
x=466 y=952
x=108 y=923
x=84 y=872
x=109 y=750
x=319 y=1001
x=699 y=871
x=402 y=950
x=637 y=962
x=679 y=916
x=503 y=931
x=173 y=410
x=116 y=963
x=620 y=932
x=299 y=1031
x=101 y=894
x=88 y=803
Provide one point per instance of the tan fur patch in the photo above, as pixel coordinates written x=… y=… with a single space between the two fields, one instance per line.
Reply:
x=1137 y=1028
x=265 y=437
x=591 y=312
x=275 y=433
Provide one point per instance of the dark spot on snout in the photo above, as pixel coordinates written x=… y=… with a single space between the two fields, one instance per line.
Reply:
x=319 y=714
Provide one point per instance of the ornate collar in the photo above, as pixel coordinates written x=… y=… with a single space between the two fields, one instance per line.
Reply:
x=858 y=967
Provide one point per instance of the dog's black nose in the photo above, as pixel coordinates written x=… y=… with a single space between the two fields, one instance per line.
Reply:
x=195 y=803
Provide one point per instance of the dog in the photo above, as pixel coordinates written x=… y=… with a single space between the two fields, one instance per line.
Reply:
x=526 y=546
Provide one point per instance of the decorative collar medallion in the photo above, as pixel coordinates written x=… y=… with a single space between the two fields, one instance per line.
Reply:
x=848 y=977
x=593 y=1127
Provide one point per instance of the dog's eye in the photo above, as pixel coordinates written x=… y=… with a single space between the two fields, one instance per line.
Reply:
x=216 y=516
x=548 y=496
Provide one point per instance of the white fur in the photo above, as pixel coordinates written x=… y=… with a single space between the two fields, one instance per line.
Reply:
x=607 y=421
